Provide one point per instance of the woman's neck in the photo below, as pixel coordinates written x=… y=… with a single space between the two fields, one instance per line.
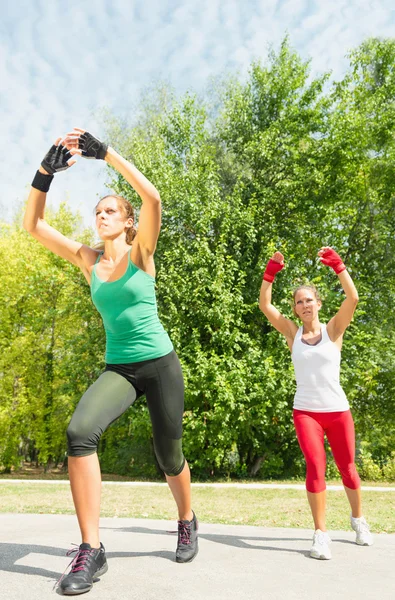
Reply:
x=115 y=250
x=313 y=328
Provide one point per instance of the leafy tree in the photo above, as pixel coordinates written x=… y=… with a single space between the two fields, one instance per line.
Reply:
x=280 y=161
x=48 y=344
x=283 y=164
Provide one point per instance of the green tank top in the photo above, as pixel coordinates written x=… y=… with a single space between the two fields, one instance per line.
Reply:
x=130 y=317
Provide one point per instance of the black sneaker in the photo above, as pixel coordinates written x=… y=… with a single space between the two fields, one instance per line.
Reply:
x=187 y=546
x=88 y=564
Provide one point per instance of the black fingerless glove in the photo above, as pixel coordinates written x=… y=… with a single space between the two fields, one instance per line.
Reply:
x=91 y=147
x=56 y=159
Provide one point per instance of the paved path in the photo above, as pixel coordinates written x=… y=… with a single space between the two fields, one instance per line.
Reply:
x=234 y=562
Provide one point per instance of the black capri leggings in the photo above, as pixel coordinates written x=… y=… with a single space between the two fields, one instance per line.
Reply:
x=161 y=380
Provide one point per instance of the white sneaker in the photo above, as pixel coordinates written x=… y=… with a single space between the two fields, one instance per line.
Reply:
x=320 y=548
x=361 y=528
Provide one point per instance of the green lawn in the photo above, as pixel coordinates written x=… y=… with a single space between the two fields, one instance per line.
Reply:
x=267 y=507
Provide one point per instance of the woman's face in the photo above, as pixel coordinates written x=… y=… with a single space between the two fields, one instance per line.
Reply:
x=306 y=305
x=110 y=219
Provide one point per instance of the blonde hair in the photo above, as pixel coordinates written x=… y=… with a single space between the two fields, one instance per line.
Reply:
x=307 y=286
x=128 y=211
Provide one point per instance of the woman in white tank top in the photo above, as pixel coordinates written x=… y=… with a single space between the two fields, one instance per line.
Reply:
x=320 y=404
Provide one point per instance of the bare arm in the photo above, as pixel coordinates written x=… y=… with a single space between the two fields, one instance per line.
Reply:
x=86 y=145
x=150 y=213
x=35 y=224
x=339 y=323
x=285 y=326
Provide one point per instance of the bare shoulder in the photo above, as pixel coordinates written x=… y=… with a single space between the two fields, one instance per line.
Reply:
x=334 y=335
x=88 y=256
x=135 y=253
x=291 y=333
x=141 y=258
x=87 y=259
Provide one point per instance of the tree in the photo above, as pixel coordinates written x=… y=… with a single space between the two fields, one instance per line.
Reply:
x=48 y=345
x=283 y=164
x=283 y=161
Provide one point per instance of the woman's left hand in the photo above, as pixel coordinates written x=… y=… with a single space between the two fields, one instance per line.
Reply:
x=330 y=258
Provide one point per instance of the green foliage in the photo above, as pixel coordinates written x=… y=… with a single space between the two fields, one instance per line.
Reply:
x=281 y=164
x=281 y=161
x=389 y=468
x=126 y=447
x=367 y=468
x=48 y=345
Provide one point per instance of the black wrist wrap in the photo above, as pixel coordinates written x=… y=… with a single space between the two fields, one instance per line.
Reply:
x=42 y=182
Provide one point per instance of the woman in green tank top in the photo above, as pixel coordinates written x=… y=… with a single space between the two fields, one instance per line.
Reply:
x=139 y=354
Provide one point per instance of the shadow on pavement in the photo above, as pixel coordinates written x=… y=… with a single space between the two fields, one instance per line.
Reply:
x=236 y=541
x=12 y=553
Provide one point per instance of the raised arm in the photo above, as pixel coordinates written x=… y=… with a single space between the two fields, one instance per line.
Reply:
x=88 y=146
x=150 y=212
x=285 y=326
x=339 y=323
x=57 y=159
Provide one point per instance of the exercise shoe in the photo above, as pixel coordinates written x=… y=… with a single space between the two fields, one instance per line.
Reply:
x=361 y=528
x=320 y=548
x=87 y=565
x=187 y=546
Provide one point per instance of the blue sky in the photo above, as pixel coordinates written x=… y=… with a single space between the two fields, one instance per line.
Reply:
x=61 y=62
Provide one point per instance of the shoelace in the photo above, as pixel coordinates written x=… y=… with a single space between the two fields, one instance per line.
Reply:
x=363 y=527
x=184 y=533
x=77 y=563
x=321 y=538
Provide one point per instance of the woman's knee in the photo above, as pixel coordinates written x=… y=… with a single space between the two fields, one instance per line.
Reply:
x=315 y=478
x=172 y=468
x=81 y=440
x=169 y=456
x=349 y=475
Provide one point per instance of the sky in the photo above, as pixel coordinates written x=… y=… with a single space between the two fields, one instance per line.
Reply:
x=61 y=63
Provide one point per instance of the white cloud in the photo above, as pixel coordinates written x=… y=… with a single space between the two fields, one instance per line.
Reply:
x=61 y=62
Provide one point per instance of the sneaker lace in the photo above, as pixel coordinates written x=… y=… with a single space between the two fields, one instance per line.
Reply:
x=363 y=527
x=184 y=533
x=321 y=538
x=77 y=563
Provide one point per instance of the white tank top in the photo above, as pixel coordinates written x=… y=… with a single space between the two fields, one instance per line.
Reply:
x=317 y=371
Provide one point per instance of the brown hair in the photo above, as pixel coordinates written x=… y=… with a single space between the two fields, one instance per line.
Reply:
x=307 y=286
x=128 y=211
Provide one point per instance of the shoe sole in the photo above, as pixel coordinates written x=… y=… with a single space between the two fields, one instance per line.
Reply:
x=364 y=544
x=101 y=571
x=320 y=556
x=98 y=574
x=181 y=562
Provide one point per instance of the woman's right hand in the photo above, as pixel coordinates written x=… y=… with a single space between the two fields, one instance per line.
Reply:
x=275 y=264
x=58 y=158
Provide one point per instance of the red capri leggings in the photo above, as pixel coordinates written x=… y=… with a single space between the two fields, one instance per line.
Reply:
x=339 y=429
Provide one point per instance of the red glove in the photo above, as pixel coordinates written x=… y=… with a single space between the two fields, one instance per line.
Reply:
x=330 y=258
x=272 y=268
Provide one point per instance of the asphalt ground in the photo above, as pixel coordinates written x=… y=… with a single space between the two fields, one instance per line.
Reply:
x=234 y=562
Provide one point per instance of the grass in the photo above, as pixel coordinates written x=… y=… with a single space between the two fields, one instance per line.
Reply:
x=267 y=507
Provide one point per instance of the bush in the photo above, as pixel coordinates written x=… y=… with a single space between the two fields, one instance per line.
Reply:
x=389 y=468
x=366 y=466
